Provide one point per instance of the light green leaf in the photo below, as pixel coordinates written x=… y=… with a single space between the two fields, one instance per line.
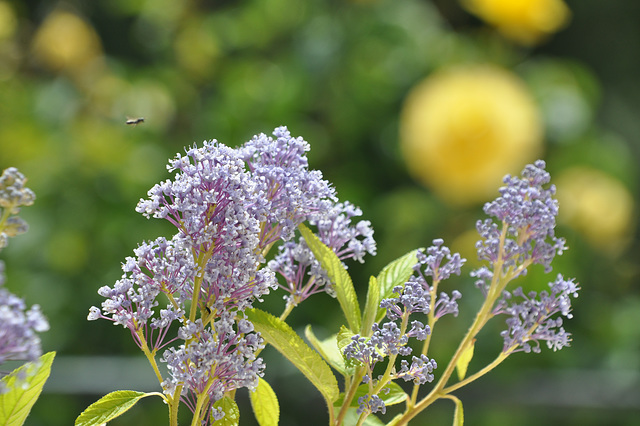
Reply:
x=265 y=404
x=464 y=360
x=395 y=273
x=109 y=407
x=24 y=385
x=231 y=412
x=370 y=307
x=395 y=395
x=278 y=333
x=458 y=414
x=338 y=275
x=352 y=416
x=328 y=348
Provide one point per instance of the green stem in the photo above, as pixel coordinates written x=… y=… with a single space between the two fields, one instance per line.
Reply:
x=349 y=394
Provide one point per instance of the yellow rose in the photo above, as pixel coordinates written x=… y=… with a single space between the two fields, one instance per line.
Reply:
x=462 y=129
x=64 y=42
x=524 y=21
x=596 y=205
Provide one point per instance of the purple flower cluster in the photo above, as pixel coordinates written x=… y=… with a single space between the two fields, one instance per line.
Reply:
x=19 y=325
x=525 y=236
x=530 y=317
x=18 y=328
x=525 y=233
x=13 y=195
x=303 y=274
x=229 y=207
x=430 y=264
x=391 y=340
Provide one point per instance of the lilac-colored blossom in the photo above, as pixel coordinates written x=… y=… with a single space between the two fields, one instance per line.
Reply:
x=531 y=316
x=527 y=212
x=420 y=371
x=13 y=195
x=287 y=191
x=19 y=326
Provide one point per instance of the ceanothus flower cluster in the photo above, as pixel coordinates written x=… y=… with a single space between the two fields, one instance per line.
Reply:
x=13 y=195
x=530 y=317
x=229 y=207
x=525 y=232
x=525 y=235
x=303 y=274
x=19 y=325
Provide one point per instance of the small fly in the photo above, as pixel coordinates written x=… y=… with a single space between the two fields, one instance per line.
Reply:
x=134 y=121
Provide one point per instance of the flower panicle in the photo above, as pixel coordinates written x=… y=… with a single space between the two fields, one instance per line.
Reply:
x=530 y=317
x=229 y=206
x=19 y=324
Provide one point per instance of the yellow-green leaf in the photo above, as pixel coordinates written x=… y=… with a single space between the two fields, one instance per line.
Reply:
x=328 y=349
x=282 y=337
x=345 y=293
x=458 y=414
x=231 y=412
x=464 y=360
x=24 y=385
x=371 y=307
x=395 y=273
x=109 y=407
x=265 y=404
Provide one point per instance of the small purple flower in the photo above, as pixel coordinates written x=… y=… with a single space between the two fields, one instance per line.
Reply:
x=432 y=261
x=420 y=371
x=412 y=296
x=446 y=304
x=371 y=404
x=530 y=317
x=389 y=339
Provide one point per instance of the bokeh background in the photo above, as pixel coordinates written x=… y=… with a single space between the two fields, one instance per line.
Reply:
x=414 y=109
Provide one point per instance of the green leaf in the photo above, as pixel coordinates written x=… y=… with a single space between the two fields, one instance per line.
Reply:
x=395 y=395
x=464 y=360
x=395 y=273
x=370 y=307
x=352 y=416
x=109 y=407
x=328 y=349
x=24 y=385
x=338 y=275
x=265 y=404
x=458 y=414
x=278 y=333
x=231 y=412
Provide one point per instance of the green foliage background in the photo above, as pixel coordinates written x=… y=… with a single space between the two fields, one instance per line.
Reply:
x=335 y=72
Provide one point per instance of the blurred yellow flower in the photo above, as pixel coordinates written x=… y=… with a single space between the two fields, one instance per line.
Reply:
x=462 y=129
x=8 y=21
x=65 y=42
x=596 y=205
x=524 y=21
